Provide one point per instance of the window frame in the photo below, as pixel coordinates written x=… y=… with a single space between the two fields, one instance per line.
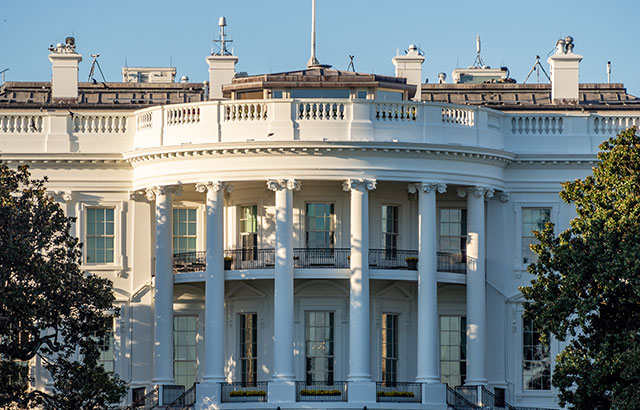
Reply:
x=334 y=223
x=463 y=331
x=239 y=223
x=256 y=347
x=119 y=218
x=332 y=313
x=398 y=347
x=519 y=206
x=461 y=208
x=399 y=224
x=196 y=344
x=198 y=235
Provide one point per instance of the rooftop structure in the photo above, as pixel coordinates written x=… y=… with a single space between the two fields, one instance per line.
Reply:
x=276 y=237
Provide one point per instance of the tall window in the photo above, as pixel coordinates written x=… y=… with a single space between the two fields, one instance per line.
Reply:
x=249 y=231
x=184 y=350
x=453 y=230
x=390 y=230
x=184 y=230
x=249 y=348
x=100 y=235
x=106 y=347
x=536 y=360
x=320 y=225
x=533 y=219
x=453 y=350
x=320 y=359
x=389 y=348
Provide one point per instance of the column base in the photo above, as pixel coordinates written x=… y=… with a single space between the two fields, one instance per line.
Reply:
x=434 y=394
x=208 y=395
x=361 y=392
x=282 y=391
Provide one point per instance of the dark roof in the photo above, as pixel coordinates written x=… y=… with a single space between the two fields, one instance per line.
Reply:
x=317 y=78
x=508 y=97
x=101 y=95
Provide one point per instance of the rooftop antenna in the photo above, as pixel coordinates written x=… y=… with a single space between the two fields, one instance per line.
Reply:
x=351 y=66
x=608 y=73
x=95 y=63
x=537 y=67
x=222 y=22
x=2 y=72
x=478 y=61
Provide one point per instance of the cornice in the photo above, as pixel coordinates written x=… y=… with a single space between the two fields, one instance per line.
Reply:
x=311 y=148
x=66 y=160
x=554 y=161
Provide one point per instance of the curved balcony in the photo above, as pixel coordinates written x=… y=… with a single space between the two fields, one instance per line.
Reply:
x=317 y=120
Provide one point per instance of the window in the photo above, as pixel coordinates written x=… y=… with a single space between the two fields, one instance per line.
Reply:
x=106 y=347
x=533 y=219
x=184 y=350
x=452 y=243
x=389 y=95
x=361 y=94
x=249 y=348
x=390 y=230
x=249 y=231
x=320 y=93
x=276 y=94
x=320 y=226
x=319 y=347
x=536 y=360
x=453 y=350
x=389 y=348
x=100 y=235
x=185 y=230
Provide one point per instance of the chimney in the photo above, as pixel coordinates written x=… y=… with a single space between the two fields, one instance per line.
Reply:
x=564 y=65
x=409 y=66
x=222 y=65
x=64 y=71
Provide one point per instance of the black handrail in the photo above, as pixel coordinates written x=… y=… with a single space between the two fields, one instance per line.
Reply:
x=393 y=259
x=148 y=402
x=399 y=392
x=185 y=401
x=320 y=391
x=189 y=262
x=321 y=257
x=458 y=401
x=452 y=262
x=241 y=392
x=171 y=392
x=249 y=258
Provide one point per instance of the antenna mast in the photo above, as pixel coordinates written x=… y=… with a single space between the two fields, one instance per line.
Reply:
x=95 y=63
x=537 y=67
x=222 y=22
x=478 y=61
x=313 y=61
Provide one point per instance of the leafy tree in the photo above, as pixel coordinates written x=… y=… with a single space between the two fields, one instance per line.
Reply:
x=49 y=308
x=587 y=286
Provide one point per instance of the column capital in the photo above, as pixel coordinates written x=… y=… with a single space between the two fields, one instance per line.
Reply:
x=64 y=196
x=504 y=197
x=214 y=186
x=282 y=184
x=361 y=185
x=152 y=192
x=477 y=191
x=427 y=187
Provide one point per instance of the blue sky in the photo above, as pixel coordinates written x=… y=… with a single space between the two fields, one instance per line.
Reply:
x=273 y=36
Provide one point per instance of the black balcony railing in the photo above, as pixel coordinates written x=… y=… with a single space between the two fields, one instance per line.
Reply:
x=240 y=392
x=392 y=259
x=452 y=262
x=319 y=391
x=321 y=258
x=147 y=402
x=250 y=258
x=185 y=401
x=457 y=401
x=399 y=392
x=189 y=262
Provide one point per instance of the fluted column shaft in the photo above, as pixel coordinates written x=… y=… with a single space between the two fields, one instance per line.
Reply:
x=163 y=291
x=359 y=321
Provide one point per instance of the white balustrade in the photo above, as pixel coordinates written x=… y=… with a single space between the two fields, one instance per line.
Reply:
x=493 y=120
x=460 y=116
x=613 y=125
x=103 y=124
x=235 y=111
x=396 y=112
x=182 y=115
x=143 y=121
x=537 y=124
x=321 y=111
x=21 y=124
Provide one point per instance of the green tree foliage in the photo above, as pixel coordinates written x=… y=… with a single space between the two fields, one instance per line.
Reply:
x=49 y=308
x=586 y=289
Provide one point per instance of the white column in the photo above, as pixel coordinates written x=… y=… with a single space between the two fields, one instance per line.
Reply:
x=476 y=286
x=428 y=334
x=361 y=387
x=214 y=328
x=163 y=292
x=283 y=387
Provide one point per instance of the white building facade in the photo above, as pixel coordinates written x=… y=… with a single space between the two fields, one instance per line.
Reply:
x=318 y=238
